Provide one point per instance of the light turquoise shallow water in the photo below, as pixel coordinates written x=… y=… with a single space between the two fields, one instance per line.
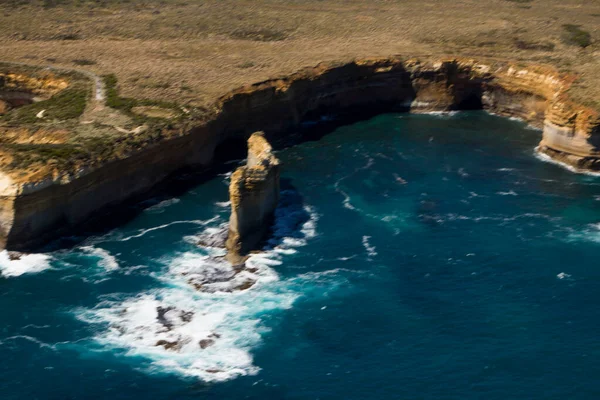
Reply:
x=414 y=257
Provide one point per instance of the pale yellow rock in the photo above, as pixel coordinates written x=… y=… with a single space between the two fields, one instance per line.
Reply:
x=254 y=192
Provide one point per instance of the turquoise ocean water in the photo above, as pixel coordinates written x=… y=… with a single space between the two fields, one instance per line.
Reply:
x=413 y=257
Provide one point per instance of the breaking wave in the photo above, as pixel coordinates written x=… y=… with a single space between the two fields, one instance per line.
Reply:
x=106 y=260
x=546 y=158
x=206 y=319
x=13 y=266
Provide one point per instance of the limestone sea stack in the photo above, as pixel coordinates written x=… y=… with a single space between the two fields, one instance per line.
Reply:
x=254 y=193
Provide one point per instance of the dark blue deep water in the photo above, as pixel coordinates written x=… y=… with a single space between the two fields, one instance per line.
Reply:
x=413 y=257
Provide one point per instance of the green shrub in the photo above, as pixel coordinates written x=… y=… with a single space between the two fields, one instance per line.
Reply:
x=543 y=46
x=83 y=62
x=575 y=36
x=66 y=104
x=125 y=104
x=63 y=154
x=259 y=35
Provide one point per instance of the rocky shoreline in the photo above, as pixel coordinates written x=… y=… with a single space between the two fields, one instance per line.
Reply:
x=36 y=211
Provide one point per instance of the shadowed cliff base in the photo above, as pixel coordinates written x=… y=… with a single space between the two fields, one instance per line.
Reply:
x=39 y=210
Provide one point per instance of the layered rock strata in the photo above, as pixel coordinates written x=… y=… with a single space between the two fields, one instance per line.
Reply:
x=253 y=192
x=34 y=211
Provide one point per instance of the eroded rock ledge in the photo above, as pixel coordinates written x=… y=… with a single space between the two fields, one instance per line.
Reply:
x=34 y=211
x=254 y=192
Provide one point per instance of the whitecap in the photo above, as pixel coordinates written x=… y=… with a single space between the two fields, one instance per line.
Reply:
x=206 y=320
x=212 y=237
x=29 y=339
x=107 y=260
x=371 y=250
x=142 y=232
x=207 y=333
x=563 y=275
x=590 y=234
x=546 y=158
x=509 y=193
x=439 y=114
x=23 y=264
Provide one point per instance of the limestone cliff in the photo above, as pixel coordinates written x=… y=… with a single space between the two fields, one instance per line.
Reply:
x=254 y=192
x=35 y=210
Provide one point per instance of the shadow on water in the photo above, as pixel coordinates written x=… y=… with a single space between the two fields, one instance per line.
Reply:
x=175 y=186
x=290 y=215
x=227 y=157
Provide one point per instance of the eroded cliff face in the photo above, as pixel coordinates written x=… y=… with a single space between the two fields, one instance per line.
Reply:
x=33 y=211
x=253 y=192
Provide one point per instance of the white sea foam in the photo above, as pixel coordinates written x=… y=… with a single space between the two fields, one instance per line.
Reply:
x=29 y=339
x=546 y=158
x=223 y=204
x=371 y=250
x=205 y=335
x=563 y=276
x=509 y=193
x=142 y=232
x=206 y=320
x=25 y=264
x=590 y=234
x=417 y=106
x=211 y=237
x=107 y=260
x=346 y=202
x=516 y=119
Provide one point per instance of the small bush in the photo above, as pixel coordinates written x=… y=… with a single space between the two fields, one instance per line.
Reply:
x=83 y=62
x=113 y=100
x=523 y=45
x=125 y=104
x=66 y=104
x=64 y=154
x=246 y=64
x=259 y=35
x=67 y=36
x=575 y=36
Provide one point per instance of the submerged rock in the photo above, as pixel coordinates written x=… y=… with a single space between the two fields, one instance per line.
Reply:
x=254 y=193
x=169 y=345
x=204 y=343
x=214 y=237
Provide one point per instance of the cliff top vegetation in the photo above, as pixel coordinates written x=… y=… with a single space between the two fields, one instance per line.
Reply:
x=163 y=60
x=191 y=51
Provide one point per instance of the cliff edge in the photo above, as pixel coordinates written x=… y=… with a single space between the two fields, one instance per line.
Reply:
x=56 y=179
x=254 y=192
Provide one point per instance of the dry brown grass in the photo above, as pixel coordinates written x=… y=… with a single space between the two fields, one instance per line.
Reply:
x=191 y=51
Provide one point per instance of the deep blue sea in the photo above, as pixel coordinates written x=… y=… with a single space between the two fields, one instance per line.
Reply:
x=413 y=257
